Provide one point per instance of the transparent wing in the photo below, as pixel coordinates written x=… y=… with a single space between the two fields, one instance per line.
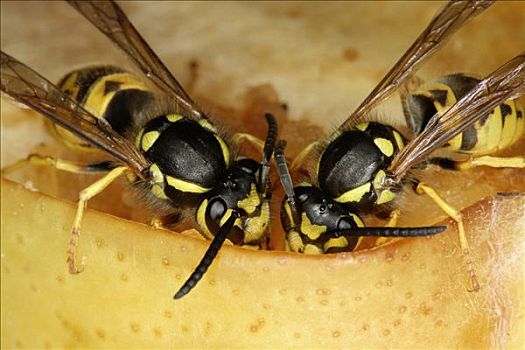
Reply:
x=28 y=87
x=452 y=17
x=507 y=82
x=109 y=18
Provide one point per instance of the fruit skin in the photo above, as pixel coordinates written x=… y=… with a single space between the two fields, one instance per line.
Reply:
x=407 y=294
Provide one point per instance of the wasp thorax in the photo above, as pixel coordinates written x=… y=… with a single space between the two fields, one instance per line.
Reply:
x=188 y=158
x=351 y=169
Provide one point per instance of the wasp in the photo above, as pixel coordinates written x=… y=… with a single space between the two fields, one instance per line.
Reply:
x=175 y=156
x=363 y=165
x=474 y=145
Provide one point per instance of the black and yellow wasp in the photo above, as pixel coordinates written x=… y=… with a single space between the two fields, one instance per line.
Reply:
x=362 y=165
x=175 y=155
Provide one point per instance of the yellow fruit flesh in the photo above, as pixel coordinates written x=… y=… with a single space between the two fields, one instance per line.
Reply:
x=409 y=293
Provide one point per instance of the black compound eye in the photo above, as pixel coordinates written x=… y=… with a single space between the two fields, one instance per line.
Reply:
x=249 y=170
x=345 y=223
x=322 y=208
x=248 y=166
x=216 y=209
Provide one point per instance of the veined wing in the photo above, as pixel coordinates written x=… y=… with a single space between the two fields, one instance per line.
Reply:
x=109 y=18
x=507 y=82
x=31 y=89
x=452 y=17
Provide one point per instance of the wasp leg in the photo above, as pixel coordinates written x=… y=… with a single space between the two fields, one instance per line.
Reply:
x=85 y=195
x=392 y=222
x=495 y=162
x=456 y=216
x=394 y=216
x=241 y=137
x=166 y=221
x=60 y=164
x=299 y=159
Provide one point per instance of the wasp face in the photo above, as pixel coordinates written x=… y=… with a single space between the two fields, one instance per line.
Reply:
x=237 y=191
x=320 y=219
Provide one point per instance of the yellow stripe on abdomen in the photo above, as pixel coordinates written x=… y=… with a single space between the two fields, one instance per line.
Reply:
x=99 y=97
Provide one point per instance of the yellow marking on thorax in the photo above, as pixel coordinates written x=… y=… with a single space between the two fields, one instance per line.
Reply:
x=173 y=118
x=158 y=182
x=339 y=242
x=399 y=140
x=362 y=126
x=148 y=139
x=185 y=186
x=385 y=195
x=156 y=173
x=385 y=146
x=205 y=123
x=355 y=194
x=378 y=179
x=225 y=149
x=250 y=203
x=97 y=97
x=312 y=231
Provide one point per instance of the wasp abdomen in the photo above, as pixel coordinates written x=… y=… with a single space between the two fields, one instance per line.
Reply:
x=106 y=92
x=491 y=133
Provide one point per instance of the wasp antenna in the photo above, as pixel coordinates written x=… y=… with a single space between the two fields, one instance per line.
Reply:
x=391 y=231
x=269 y=145
x=208 y=257
x=285 y=177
